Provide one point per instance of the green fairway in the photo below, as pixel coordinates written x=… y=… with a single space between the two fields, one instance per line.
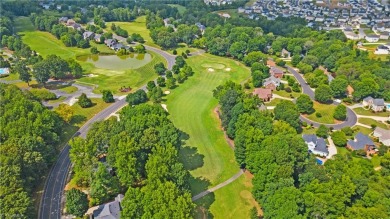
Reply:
x=207 y=154
x=180 y=8
x=137 y=26
x=326 y=111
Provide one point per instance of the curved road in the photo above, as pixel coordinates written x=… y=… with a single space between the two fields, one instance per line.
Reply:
x=50 y=205
x=351 y=116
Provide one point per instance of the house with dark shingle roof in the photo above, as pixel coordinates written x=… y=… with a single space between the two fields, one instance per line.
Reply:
x=110 y=210
x=88 y=35
x=316 y=145
x=362 y=142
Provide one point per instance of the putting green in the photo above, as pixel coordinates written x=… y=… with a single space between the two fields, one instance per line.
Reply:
x=218 y=66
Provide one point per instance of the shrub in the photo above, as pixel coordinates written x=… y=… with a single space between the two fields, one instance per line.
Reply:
x=174 y=52
x=107 y=96
x=340 y=113
x=373 y=126
x=347 y=100
x=136 y=98
x=43 y=94
x=304 y=124
x=84 y=101
x=188 y=51
x=318 y=115
x=287 y=89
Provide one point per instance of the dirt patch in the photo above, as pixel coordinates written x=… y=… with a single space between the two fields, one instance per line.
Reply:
x=228 y=140
x=228 y=69
x=248 y=195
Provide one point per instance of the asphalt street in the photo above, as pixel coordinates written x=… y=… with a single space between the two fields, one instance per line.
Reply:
x=50 y=205
x=351 y=116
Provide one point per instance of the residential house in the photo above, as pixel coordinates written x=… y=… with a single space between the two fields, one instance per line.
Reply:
x=264 y=94
x=97 y=38
x=285 y=54
x=383 y=135
x=382 y=50
x=384 y=35
x=372 y=38
x=69 y=22
x=111 y=210
x=110 y=42
x=271 y=63
x=271 y=83
x=88 y=35
x=362 y=142
x=316 y=145
x=63 y=19
x=377 y=105
x=118 y=46
x=276 y=72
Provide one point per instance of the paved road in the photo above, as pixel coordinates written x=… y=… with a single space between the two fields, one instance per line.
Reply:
x=351 y=116
x=227 y=182
x=50 y=206
x=170 y=58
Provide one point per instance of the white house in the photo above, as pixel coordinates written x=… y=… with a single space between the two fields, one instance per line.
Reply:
x=372 y=38
x=382 y=50
x=383 y=135
x=316 y=145
x=377 y=105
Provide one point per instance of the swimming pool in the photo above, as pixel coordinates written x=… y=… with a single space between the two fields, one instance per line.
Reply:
x=388 y=107
x=4 y=71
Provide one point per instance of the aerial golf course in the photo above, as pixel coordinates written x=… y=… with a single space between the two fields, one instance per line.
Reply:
x=206 y=153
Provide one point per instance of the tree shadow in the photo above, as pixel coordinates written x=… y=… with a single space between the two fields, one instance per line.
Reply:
x=190 y=158
x=203 y=204
x=78 y=119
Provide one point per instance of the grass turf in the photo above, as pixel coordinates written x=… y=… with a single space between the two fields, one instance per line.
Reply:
x=363 y=130
x=135 y=78
x=326 y=111
x=69 y=89
x=364 y=112
x=284 y=93
x=81 y=115
x=137 y=26
x=206 y=153
x=369 y=122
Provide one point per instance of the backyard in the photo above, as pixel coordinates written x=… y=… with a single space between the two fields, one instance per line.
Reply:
x=326 y=111
x=365 y=112
x=206 y=153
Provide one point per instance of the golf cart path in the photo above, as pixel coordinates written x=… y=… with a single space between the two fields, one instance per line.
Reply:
x=223 y=184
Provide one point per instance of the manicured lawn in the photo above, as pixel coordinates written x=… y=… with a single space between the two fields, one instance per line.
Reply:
x=343 y=150
x=273 y=102
x=326 y=112
x=283 y=93
x=69 y=89
x=364 y=112
x=10 y=77
x=81 y=115
x=182 y=48
x=114 y=79
x=60 y=99
x=369 y=122
x=376 y=160
x=206 y=153
x=306 y=130
x=363 y=130
x=137 y=26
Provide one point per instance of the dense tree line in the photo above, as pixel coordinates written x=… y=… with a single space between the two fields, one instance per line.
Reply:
x=142 y=149
x=29 y=135
x=288 y=183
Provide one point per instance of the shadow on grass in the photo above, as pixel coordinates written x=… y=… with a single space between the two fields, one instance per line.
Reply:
x=78 y=119
x=203 y=204
x=190 y=157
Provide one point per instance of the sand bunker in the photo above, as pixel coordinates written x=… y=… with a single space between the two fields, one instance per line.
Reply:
x=210 y=69
x=167 y=92
x=164 y=106
x=71 y=102
x=91 y=75
x=228 y=69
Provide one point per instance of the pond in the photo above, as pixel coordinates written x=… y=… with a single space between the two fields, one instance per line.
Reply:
x=114 y=62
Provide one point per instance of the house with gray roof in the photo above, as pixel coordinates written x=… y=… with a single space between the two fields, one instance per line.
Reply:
x=316 y=145
x=376 y=105
x=271 y=83
x=110 y=210
x=383 y=135
x=362 y=142
x=88 y=35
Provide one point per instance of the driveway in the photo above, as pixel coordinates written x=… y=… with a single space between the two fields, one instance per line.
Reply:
x=351 y=116
x=332 y=148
